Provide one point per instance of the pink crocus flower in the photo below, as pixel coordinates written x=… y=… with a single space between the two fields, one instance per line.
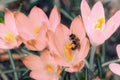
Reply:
x=9 y=37
x=94 y=21
x=42 y=67
x=70 y=45
x=33 y=28
x=114 y=67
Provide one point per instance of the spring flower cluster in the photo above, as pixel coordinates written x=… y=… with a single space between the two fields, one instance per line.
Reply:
x=61 y=47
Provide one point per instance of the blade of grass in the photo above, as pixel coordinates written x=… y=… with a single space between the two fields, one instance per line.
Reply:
x=13 y=64
x=112 y=61
x=66 y=14
x=11 y=71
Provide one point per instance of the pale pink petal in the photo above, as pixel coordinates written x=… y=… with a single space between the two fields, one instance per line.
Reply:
x=77 y=28
x=35 y=45
x=96 y=14
x=60 y=60
x=51 y=44
x=75 y=67
x=112 y=24
x=84 y=49
x=3 y=45
x=3 y=30
x=37 y=16
x=24 y=26
x=115 y=68
x=39 y=75
x=54 y=18
x=10 y=22
x=40 y=42
x=118 y=50
x=95 y=40
x=58 y=57
x=61 y=37
x=85 y=11
x=47 y=58
x=32 y=62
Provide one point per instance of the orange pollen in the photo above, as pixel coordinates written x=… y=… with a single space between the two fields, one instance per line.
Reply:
x=49 y=68
x=37 y=30
x=100 y=23
x=68 y=51
x=9 y=37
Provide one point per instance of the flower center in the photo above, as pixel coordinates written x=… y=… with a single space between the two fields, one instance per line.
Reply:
x=9 y=37
x=68 y=52
x=100 y=23
x=70 y=46
x=49 y=68
x=37 y=30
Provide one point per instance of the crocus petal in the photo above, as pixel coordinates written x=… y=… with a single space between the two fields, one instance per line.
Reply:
x=47 y=58
x=77 y=27
x=10 y=22
x=94 y=38
x=3 y=30
x=32 y=62
x=60 y=60
x=118 y=50
x=84 y=49
x=54 y=18
x=37 y=16
x=37 y=75
x=24 y=26
x=9 y=45
x=112 y=24
x=96 y=14
x=38 y=43
x=85 y=11
x=76 y=67
x=115 y=68
x=63 y=33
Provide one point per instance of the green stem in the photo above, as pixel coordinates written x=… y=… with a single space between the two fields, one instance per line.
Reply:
x=103 y=53
x=107 y=63
x=26 y=52
x=86 y=74
x=20 y=7
x=13 y=64
x=86 y=62
x=66 y=14
x=92 y=53
x=11 y=71
x=25 y=72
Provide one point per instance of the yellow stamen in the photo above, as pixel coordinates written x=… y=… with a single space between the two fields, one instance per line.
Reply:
x=67 y=50
x=37 y=30
x=69 y=45
x=100 y=23
x=49 y=68
x=9 y=37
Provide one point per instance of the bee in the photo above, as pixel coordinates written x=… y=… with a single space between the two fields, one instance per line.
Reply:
x=75 y=41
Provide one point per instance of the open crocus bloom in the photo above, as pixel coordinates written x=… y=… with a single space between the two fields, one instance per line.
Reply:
x=43 y=67
x=9 y=37
x=94 y=21
x=70 y=45
x=114 y=67
x=33 y=29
